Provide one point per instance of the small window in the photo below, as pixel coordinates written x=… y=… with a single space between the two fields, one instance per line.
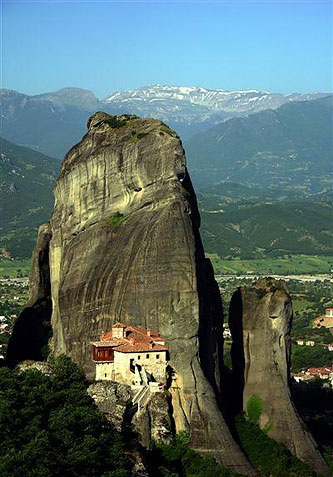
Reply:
x=139 y=357
x=147 y=356
x=157 y=356
x=105 y=375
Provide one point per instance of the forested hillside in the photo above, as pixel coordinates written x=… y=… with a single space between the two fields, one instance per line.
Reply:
x=26 y=198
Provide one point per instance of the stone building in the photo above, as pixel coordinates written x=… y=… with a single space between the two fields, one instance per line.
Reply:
x=325 y=321
x=131 y=355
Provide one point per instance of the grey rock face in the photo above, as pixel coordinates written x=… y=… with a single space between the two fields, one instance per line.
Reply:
x=153 y=422
x=39 y=280
x=111 y=399
x=260 y=321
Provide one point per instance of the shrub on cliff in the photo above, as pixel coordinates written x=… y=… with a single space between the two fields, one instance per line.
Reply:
x=115 y=220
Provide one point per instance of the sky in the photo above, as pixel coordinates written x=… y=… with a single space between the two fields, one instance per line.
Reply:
x=106 y=46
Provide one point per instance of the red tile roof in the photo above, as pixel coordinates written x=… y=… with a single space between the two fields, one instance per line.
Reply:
x=325 y=370
x=136 y=339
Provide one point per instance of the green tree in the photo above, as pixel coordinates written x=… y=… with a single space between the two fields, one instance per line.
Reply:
x=50 y=427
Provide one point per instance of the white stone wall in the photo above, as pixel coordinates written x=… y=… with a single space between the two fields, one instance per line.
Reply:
x=153 y=362
x=123 y=373
x=105 y=371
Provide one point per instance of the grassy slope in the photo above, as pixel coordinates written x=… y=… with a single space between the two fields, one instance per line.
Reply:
x=14 y=268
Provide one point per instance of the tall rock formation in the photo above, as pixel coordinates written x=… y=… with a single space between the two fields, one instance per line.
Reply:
x=126 y=247
x=32 y=329
x=260 y=321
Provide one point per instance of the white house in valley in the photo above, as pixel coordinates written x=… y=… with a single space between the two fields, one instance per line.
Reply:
x=131 y=355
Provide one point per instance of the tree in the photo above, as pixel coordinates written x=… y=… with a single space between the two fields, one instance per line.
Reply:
x=50 y=427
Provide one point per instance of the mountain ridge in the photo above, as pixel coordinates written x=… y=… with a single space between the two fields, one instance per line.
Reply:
x=287 y=147
x=31 y=121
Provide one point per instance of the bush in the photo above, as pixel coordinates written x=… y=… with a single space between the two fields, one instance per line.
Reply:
x=115 y=219
x=254 y=408
x=269 y=457
x=116 y=123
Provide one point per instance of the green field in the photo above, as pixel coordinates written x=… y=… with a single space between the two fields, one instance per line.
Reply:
x=295 y=265
x=14 y=268
x=290 y=265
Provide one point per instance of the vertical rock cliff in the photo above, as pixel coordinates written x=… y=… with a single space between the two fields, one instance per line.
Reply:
x=32 y=329
x=126 y=247
x=260 y=321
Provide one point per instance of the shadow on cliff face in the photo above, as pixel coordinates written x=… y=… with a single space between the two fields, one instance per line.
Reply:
x=236 y=381
x=31 y=333
x=32 y=330
x=210 y=304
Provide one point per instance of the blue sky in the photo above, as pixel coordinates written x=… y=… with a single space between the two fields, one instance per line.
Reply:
x=107 y=46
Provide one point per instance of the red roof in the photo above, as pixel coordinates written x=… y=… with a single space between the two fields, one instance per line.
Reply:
x=136 y=339
x=327 y=370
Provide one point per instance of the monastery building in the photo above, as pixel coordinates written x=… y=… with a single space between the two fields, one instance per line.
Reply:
x=131 y=355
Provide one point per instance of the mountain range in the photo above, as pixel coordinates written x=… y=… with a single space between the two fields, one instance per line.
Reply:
x=52 y=122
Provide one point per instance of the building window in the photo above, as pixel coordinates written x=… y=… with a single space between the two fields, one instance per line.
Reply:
x=139 y=357
x=157 y=356
x=147 y=356
x=132 y=367
x=105 y=375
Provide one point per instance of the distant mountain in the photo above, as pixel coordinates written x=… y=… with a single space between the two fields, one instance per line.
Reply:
x=27 y=179
x=191 y=109
x=290 y=147
x=257 y=223
x=80 y=98
x=49 y=123
x=53 y=122
x=181 y=100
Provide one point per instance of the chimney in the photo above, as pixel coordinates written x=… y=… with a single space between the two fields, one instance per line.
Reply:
x=148 y=332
